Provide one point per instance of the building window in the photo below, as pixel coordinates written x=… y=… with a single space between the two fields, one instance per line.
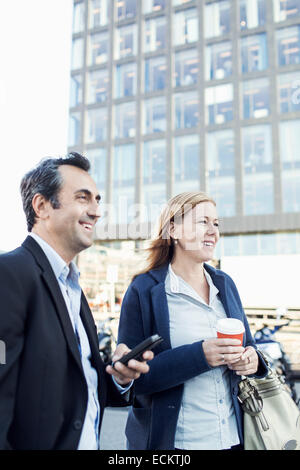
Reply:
x=256 y=102
x=126 y=41
x=254 y=53
x=186 y=163
x=154 y=115
x=96 y=125
x=220 y=170
x=125 y=124
x=76 y=90
x=123 y=182
x=289 y=92
x=186 y=110
x=97 y=86
x=290 y=161
x=252 y=13
x=218 y=61
x=185 y=27
x=77 y=54
x=155 y=34
x=286 y=9
x=74 y=129
x=219 y=104
x=125 y=80
x=98 y=13
x=97 y=158
x=97 y=48
x=154 y=5
x=186 y=68
x=155 y=74
x=154 y=177
x=258 y=193
x=288 y=46
x=78 y=17
x=125 y=9
x=217 y=19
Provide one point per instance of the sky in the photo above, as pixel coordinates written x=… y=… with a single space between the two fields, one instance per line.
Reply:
x=35 y=55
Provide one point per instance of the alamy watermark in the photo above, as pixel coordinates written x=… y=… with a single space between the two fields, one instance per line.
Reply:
x=2 y=352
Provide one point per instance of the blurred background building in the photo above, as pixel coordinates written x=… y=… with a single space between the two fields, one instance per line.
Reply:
x=176 y=95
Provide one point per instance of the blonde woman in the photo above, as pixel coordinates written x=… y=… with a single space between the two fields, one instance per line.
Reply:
x=188 y=400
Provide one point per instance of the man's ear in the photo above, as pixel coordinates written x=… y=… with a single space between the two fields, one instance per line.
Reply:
x=40 y=206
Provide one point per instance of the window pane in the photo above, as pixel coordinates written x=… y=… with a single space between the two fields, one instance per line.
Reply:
x=97 y=86
x=254 y=53
x=155 y=74
x=220 y=175
x=289 y=92
x=154 y=5
x=124 y=182
x=125 y=83
x=288 y=45
x=219 y=104
x=186 y=110
x=97 y=48
x=218 y=61
x=125 y=9
x=155 y=34
x=126 y=41
x=258 y=172
x=186 y=163
x=96 y=125
x=98 y=13
x=154 y=115
x=185 y=27
x=290 y=160
x=76 y=90
x=217 y=19
x=154 y=177
x=256 y=102
x=252 y=13
x=186 y=68
x=77 y=54
x=125 y=120
x=286 y=9
x=78 y=17
x=74 y=129
x=97 y=158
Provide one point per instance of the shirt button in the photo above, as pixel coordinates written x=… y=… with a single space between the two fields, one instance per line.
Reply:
x=77 y=424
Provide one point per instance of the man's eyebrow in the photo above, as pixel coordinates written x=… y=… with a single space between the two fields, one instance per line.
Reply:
x=88 y=193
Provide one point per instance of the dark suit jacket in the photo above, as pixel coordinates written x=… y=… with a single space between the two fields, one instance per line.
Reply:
x=153 y=418
x=43 y=392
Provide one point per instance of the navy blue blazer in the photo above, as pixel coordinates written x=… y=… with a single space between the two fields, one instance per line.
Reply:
x=153 y=417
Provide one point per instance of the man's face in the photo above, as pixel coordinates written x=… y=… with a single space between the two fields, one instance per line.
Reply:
x=71 y=226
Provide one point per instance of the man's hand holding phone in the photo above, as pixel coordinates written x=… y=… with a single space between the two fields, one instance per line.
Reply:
x=128 y=365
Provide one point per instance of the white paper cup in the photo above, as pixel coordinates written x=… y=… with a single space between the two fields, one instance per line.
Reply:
x=230 y=328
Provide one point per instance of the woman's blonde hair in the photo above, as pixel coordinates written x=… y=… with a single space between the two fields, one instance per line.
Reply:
x=161 y=249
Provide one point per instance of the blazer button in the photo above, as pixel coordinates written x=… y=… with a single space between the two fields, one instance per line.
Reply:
x=77 y=424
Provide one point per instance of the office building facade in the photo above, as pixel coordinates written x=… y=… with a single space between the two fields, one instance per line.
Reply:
x=174 y=95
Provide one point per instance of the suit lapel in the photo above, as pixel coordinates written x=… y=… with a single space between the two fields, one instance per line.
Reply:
x=54 y=290
x=161 y=313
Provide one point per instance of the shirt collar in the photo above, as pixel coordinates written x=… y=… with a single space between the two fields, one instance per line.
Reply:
x=175 y=282
x=59 y=266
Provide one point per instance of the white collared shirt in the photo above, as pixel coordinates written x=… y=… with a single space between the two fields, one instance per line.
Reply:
x=206 y=418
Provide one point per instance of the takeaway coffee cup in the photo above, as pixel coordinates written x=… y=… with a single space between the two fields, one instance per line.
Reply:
x=230 y=328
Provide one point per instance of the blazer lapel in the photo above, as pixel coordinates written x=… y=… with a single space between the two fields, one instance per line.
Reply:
x=56 y=295
x=161 y=313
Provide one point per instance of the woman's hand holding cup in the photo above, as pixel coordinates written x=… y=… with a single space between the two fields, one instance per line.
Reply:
x=227 y=347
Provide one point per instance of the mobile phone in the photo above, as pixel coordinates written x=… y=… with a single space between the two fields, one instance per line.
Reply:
x=137 y=352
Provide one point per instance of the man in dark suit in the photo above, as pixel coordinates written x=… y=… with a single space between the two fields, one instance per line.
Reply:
x=53 y=385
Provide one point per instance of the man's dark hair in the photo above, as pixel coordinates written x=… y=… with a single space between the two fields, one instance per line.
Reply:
x=46 y=179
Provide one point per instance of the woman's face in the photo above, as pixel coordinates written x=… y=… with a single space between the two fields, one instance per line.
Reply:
x=198 y=231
